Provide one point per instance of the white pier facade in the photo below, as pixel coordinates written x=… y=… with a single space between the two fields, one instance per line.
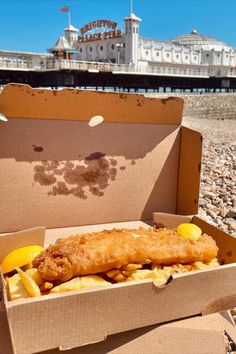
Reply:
x=100 y=47
x=44 y=63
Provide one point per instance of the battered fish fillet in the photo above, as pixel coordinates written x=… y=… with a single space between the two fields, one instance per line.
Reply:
x=102 y=251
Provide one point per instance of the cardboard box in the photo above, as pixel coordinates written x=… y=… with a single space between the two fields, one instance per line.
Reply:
x=212 y=334
x=119 y=308
x=58 y=172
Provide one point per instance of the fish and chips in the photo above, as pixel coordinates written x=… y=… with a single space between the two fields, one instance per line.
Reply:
x=113 y=256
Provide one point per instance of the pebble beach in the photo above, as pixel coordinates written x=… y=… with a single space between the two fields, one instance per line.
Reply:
x=214 y=116
x=217 y=202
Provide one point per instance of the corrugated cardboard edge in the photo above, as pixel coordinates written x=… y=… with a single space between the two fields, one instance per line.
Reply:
x=73 y=104
x=184 y=335
x=224 y=241
x=189 y=172
x=169 y=220
x=171 y=338
x=5 y=336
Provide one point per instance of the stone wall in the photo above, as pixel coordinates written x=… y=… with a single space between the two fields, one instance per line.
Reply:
x=214 y=106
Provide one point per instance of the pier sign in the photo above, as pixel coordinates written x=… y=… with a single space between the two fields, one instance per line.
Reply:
x=98 y=24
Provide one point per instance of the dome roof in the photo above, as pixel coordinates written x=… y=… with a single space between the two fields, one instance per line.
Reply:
x=200 y=41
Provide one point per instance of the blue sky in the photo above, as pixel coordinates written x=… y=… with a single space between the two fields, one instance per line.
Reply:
x=35 y=25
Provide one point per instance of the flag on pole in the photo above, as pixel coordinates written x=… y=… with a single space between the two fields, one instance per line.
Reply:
x=65 y=8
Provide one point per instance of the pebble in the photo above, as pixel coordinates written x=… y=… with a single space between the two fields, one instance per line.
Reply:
x=234 y=201
x=232 y=213
x=211 y=213
x=233 y=226
x=209 y=195
x=223 y=212
x=202 y=202
x=217 y=203
x=212 y=208
x=229 y=221
x=218 y=221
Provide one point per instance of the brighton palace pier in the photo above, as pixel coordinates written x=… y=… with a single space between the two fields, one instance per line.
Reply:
x=102 y=56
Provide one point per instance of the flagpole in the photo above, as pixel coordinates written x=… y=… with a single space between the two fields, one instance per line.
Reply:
x=131 y=6
x=69 y=18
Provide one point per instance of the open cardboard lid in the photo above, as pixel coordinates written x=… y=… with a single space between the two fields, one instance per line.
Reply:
x=21 y=101
x=56 y=171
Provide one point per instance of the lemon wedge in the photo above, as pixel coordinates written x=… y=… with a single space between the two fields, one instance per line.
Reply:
x=20 y=257
x=189 y=231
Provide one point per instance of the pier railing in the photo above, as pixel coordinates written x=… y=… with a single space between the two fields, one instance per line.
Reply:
x=71 y=65
x=125 y=69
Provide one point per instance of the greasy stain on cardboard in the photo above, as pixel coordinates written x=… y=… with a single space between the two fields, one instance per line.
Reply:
x=78 y=178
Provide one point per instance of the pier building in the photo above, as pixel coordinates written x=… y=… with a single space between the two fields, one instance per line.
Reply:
x=100 y=54
x=102 y=41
